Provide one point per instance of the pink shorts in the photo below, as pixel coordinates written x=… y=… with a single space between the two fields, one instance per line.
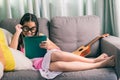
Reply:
x=42 y=64
x=37 y=63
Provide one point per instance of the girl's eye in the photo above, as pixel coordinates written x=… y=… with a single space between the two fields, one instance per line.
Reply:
x=26 y=29
x=33 y=29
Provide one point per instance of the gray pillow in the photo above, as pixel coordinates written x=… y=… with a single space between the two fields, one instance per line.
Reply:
x=69 y=33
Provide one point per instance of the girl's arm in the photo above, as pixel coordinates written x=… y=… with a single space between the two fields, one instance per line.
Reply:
x=48 y=44
x=15 y=38
x=52 y=45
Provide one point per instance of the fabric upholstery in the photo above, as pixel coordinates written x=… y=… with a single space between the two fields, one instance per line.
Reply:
x=95 y=74
x=111 y=46
x=2 y=59
x=9 y=24
x=1 y=70
x=43 y=26
x=22 y=75
x=69 y=33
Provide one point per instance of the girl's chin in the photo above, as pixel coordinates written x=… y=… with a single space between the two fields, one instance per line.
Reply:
x=29 y=35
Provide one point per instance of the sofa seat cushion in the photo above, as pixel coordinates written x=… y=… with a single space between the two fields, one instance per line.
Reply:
x=22 y=75
x=95 y=74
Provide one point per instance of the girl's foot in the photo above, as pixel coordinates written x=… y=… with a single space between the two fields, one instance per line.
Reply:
x=109 y=62
x=102 y=57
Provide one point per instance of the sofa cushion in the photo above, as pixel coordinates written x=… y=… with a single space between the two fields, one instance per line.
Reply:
x=69 y=33
x=7 y=55
x=10 y=24
x=94 y=74
x=43 y=26
x=8 y=36
x=14 y=59
x=21 y=61
x=22 y=75
x=1 y=70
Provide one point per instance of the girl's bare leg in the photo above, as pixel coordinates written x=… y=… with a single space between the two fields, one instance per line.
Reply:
x=77 y=65
x=65 y=56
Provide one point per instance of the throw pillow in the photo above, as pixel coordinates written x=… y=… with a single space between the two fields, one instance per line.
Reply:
x=21 y=61
x=1 y=70
x=14 y=59
x=2 y=63
x=8 y=36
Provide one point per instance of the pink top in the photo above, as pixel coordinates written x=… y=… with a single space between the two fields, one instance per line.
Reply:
x=22 y=49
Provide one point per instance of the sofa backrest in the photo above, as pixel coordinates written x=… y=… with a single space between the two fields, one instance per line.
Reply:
x=10 y=24
x=69 y=33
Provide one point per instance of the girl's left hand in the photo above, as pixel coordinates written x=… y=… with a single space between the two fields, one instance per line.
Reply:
x=48 y=45
x=45 y=44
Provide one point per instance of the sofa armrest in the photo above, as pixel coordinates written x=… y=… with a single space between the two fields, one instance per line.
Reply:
x=111 y=46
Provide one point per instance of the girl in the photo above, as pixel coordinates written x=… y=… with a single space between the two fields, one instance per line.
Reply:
x=55 y=61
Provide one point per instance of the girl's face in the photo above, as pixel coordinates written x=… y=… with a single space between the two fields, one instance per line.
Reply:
x=29 y=28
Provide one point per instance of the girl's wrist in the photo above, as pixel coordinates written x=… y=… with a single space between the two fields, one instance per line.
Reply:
x=17 y=33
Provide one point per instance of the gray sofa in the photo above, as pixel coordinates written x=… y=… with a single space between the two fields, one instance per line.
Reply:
x=69 y=33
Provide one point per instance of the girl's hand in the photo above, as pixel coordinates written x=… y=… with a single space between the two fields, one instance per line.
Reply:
x=18 y=28
x=48 y=45
x=45 y=45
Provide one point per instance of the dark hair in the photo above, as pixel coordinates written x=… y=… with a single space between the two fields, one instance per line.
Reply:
x=26 y=18
x=29 y=17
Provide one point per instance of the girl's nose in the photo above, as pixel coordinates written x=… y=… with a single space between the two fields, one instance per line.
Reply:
x=29 y=31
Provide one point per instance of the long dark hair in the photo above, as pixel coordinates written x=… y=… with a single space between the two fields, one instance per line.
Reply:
x=27 y=18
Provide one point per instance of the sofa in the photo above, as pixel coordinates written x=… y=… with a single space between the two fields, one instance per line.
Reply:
x=69 y=33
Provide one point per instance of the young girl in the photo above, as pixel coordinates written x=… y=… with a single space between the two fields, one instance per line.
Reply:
x=55 y=60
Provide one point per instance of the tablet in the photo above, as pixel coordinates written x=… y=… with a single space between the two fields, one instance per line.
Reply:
x=32 y=48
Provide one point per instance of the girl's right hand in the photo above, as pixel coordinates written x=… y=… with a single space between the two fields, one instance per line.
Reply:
x=18 y=28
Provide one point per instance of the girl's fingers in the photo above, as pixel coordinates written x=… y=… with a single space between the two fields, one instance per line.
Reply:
x=43 y=44
x=18 y=28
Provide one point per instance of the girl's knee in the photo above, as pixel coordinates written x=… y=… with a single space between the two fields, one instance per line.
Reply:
x=56 y=66
x=57 y=55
